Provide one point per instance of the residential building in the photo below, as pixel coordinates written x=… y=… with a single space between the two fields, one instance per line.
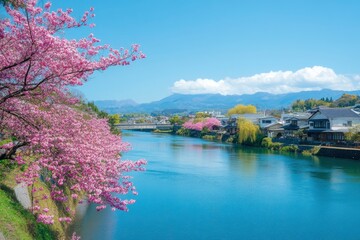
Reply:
x=330 y=124
x=274 y=130
x=266 y=121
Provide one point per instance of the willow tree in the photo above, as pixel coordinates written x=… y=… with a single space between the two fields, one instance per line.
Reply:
x=242 y=109
x=247 y=131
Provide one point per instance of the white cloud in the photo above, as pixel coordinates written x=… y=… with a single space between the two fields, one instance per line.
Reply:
x=305 y=79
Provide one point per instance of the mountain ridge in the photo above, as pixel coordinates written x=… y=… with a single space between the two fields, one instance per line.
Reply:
x=218 y=102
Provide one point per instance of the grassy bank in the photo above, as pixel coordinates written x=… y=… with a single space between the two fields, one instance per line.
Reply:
x=19 y=223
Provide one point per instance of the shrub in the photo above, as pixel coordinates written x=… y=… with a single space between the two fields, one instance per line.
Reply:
x=183 y=132
x=209 y=137
x=290 y=148
x=266 y=142
x=312 y=151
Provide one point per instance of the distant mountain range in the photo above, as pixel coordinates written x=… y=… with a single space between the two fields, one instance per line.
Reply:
x=177 y=103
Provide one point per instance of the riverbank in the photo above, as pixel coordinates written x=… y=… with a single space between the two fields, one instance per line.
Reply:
x=267 y=143
x=16 y=220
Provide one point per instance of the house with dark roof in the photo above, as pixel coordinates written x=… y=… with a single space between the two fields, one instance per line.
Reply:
x=302 y=117
x=274 y=130
x=330 y=124
x=293 y=122
x=266 y=121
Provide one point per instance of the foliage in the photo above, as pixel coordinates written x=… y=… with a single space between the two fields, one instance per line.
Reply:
x=300 y=133
x=96 y=110
x=6 y=166
x=276 y=146
x=202 y=115
x=209 y=137
x=290 y=148
x=353 y=134
x=176 y=119
x=112 y=119
x=268 y=143
x=247 y=131
x=23 y=223
x=306 y=153
x=71 y=151
x=242 y=109
x=312 y=151
x=230 y=140
x=204 y=131
x=346 y=100
x=302 y=105
x=183 y=132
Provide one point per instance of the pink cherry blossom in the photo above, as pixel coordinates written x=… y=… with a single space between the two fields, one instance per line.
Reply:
x=208 y=123
x=56 y=141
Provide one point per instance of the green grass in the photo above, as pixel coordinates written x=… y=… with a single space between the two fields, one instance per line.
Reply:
x=18 y=223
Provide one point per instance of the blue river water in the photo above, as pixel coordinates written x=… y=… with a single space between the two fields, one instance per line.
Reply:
x=196 y=189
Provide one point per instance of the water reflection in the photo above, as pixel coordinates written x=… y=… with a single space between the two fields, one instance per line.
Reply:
x=194 y=189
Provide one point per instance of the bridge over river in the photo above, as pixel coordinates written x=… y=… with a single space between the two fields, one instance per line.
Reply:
x=144 y=126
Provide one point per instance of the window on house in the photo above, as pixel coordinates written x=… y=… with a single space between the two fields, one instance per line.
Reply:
x=349 y=123
x=320 y=124
x=266 y=121
x=293 y=122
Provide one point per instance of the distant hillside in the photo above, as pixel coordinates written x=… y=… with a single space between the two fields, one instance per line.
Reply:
x=114 y=106
x=198 y=102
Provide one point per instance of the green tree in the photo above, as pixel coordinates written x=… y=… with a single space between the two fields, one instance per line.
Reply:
x=298 y=105
x=202 y=115
x=177 y=120
x=301 y=105
x=354 y=134
x=95 y=109
x=346 y=100
x=114 y=119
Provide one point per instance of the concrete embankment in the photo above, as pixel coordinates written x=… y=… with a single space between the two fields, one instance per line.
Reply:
x=336 y=152
x=349 y=153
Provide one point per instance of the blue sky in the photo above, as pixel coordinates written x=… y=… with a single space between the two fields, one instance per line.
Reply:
x=225 y=46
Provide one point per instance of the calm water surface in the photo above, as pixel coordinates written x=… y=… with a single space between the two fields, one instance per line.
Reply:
x=195 y=189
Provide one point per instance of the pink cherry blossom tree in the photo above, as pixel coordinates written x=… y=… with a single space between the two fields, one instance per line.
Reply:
x=208 y=123
x=60 y=145
x=34 y=57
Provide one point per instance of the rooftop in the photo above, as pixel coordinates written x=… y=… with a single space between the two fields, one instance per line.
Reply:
x=338 y=112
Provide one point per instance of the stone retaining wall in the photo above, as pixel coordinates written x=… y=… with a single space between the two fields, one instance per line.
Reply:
x=339 y=152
